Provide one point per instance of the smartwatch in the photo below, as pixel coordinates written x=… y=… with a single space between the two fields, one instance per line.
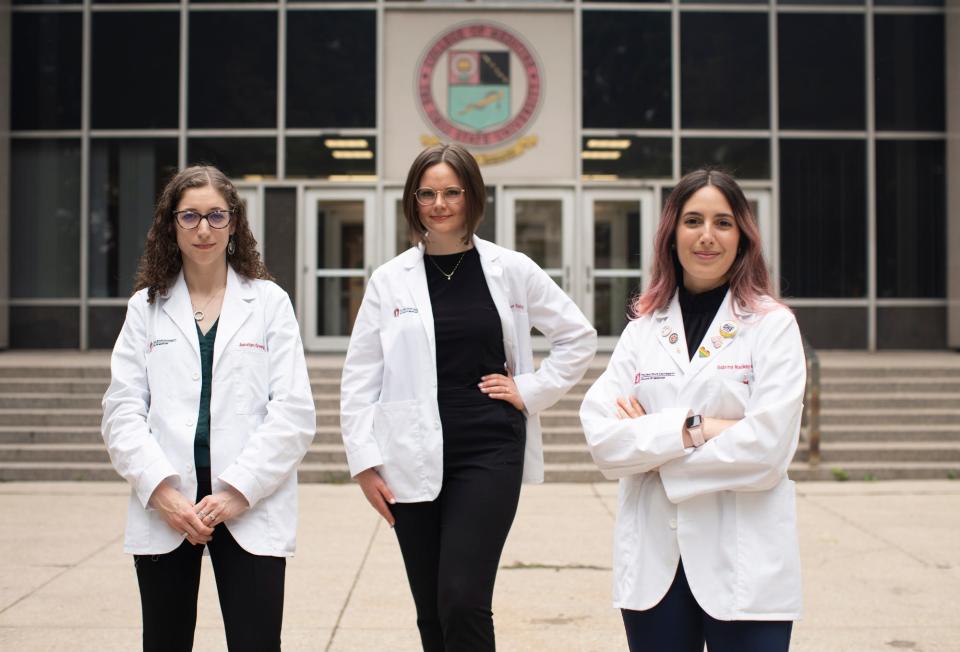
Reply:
x=694 y=426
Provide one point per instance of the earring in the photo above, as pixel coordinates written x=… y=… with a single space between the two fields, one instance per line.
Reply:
x=231 y=246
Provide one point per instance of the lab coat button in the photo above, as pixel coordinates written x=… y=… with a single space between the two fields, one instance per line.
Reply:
x=673 y=524
x=189 y=422
x=196 y=375
x=436 y=424
x=189 y=468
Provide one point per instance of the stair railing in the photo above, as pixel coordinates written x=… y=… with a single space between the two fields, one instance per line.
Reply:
x=810 y=421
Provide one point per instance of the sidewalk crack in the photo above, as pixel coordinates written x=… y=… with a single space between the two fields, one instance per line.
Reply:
x=356 y=579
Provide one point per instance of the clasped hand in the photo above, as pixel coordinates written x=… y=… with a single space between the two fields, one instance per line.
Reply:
x=197 y=521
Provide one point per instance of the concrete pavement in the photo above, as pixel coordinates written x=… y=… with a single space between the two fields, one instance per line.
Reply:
x=880 y=567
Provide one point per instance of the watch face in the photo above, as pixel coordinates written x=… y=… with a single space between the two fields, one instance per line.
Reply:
x=694 y=421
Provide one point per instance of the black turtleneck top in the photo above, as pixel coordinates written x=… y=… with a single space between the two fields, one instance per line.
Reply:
x=698 y=312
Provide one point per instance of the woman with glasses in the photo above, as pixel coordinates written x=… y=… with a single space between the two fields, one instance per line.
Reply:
x=440 y=398
x=208 y=413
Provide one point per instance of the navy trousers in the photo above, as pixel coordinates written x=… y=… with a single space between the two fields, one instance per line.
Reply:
x=678 y=624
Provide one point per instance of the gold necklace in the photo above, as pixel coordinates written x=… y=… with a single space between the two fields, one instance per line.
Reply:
x=198 y=314
x=452 y=271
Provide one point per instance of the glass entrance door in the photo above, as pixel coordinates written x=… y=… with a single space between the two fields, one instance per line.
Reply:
x=539 y=223
x=252 y=198
x=617 y=238
x=339 y=254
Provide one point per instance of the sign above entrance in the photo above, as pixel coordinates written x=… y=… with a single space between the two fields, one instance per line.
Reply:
x=482 y=96
x=500 y=83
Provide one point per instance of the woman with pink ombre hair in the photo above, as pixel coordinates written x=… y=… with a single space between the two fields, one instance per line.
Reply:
x=698 y=416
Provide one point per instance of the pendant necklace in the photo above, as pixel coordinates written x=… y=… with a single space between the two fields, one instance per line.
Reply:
x=452 y=271
x=198 y=315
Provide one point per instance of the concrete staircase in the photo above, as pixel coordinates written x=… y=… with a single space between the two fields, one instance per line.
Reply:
x=884 y=416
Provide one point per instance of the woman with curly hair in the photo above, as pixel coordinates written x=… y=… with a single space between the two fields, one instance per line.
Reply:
x=208 y=413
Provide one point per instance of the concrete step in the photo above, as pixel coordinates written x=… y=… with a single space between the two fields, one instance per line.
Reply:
x=802 y=471
x=883 y=452
x=28 y=418
x=50 y=435
x=878 y=416
x=889 y=385
x=865 y=372
x=903 y=401
x=893 y=433
x=93 y=370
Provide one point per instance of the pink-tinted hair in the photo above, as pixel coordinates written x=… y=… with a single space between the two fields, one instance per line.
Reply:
x=749 y=280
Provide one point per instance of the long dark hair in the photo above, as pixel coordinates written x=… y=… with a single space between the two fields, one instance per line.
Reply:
x=161 y=261
x=749 y=280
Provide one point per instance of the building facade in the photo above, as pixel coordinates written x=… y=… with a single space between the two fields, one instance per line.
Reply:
x=836 y=117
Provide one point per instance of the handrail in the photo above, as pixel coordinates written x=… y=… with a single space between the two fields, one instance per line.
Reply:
x=810 y=422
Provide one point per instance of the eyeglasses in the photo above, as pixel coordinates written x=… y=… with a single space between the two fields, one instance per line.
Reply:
x=217 y=219
x=428 y=196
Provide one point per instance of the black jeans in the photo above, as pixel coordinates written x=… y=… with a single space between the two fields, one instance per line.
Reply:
x=250 y=588
x=678 y=624
x=451 y=546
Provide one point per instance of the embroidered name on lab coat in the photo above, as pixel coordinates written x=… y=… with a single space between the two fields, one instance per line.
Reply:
x=154 y=344
x=655 y=375
x=252 y=345
x=402 y=311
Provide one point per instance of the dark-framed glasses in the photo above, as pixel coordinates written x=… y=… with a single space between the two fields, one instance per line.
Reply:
x=428 y=196
x=217 y=219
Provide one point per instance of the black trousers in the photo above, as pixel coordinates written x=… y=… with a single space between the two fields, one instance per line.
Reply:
x=250 y=588
x=678 y=624
x=451 y=546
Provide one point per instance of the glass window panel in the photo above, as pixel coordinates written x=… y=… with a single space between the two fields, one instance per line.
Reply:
x=616 y=234
x=44 y=327
x=338 y=301
x=341 y=158
x=339 y=234
x=626 y=157
x=820 y=2
x=833 y=328
x=821 y=87
x=135 y=92
x=280 y=236
x=45 y=218
x=233 y=84
x=611 y=299
x=724 y=79
x=331 y=54
x=912 y=327
x=909 y=57
x=911 y=218
x=745 y=158
x=909 y=3
x=46 y=2
x=126 y=176
x=539 y=230
x=626 y=70
x=45 y=70
x=823 y=218
x=104 y=324
x=238 y=158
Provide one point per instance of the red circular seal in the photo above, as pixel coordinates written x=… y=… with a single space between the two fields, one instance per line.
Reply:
x=460 y=130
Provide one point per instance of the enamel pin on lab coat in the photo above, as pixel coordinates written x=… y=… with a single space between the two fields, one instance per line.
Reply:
x=728 y=329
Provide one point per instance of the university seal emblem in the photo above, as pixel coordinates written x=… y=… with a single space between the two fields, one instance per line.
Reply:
x=480 y=85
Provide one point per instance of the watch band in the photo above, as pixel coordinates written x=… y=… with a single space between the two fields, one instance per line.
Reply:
x=694 y=426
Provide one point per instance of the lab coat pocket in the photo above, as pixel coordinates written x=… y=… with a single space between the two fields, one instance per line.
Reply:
x=250 y=378
x=396 y=427
x=768 y=550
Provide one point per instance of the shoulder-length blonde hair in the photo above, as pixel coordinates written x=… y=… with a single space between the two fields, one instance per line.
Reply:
x=161 y=260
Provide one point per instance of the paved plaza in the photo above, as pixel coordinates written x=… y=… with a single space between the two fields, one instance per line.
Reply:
x=880 y=567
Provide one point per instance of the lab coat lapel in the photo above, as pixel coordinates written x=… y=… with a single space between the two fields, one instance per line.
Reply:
x=236 y=309
x=721 y=332
x=667 y=322
x=177 y=305
x=417 y=282
x=493 y=272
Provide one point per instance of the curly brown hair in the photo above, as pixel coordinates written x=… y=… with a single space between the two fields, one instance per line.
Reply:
x=161 y=261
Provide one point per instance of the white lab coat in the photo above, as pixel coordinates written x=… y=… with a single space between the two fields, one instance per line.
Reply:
x=727 y=507
x=389 y=414
x=262 y=417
